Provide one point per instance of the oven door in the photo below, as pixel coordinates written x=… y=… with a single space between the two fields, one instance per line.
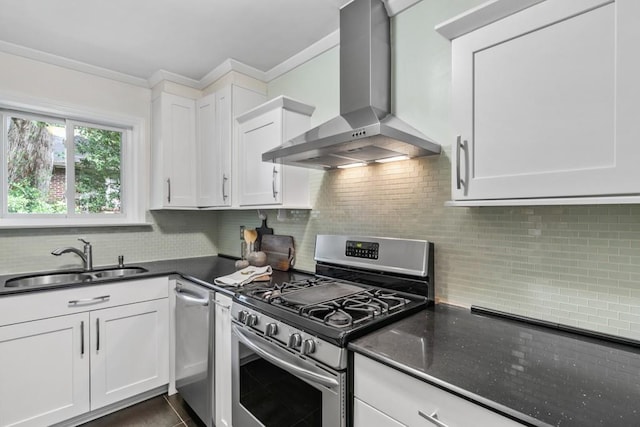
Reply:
x=273 y=387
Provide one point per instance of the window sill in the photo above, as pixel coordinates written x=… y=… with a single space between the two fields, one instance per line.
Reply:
x=52 y=223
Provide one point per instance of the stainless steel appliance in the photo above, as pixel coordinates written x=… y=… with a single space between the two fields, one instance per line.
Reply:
x=194 y=348
x=365 y=130
x=289 y=339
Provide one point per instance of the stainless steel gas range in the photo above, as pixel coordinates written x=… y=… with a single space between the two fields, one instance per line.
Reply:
x=289 y=339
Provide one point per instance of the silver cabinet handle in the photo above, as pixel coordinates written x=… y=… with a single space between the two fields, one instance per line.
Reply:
x=273 y=182
x=168 y=190
x=88 y=301
x=219 y=304
x=433 y=418
x=461 y=145
x=97 y=334
x=82 y=338
x=224 y=181
x=185 y=296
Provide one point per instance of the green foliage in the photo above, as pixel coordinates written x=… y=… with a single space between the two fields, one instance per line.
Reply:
x=30 y=167
x=24 y=198
x=97 y=170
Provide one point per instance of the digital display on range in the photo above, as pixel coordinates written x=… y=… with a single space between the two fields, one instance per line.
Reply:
x=367 y=250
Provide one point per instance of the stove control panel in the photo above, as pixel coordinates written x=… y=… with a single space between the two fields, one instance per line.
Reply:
x=357 y=249
x=287 y=336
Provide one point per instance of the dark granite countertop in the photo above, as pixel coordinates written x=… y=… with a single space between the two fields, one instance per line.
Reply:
x=534 y=374
x=201 y=270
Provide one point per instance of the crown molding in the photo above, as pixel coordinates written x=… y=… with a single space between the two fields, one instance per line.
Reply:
x=227 y=66
x=394 y=7
x=60 y=61
x=307 y=54
x=161 y=75
x=328 y=42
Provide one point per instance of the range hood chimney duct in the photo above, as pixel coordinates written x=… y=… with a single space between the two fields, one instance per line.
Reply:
x=365 y=131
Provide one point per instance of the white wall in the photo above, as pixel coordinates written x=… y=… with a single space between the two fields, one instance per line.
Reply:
x=169 y=235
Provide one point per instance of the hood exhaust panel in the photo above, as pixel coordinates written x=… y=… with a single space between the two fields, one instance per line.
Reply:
x=365 y=131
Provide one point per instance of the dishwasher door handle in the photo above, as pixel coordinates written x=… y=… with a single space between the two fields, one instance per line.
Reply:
x=192 y=298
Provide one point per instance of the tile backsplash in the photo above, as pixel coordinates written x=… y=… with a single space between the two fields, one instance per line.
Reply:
x=172 y=234
x=574 y=265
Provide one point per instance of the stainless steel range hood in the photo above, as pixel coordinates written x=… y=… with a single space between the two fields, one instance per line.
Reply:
x=365 y=131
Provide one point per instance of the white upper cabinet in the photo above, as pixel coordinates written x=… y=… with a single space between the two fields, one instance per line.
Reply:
x=217 y=132
x=271 y=183
x=193 y=147
x=545 y=101
x=173 y=152
x=208 y=152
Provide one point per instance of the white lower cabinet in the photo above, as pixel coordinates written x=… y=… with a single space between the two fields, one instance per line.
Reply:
x=387 y=397
x=44 y=370
x=95 y=346
x=223 y=402
x=129 y=351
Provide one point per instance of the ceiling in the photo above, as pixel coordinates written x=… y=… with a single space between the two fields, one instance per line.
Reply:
x=186 y=37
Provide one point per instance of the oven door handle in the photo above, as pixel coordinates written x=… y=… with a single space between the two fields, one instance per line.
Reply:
x=285 y=360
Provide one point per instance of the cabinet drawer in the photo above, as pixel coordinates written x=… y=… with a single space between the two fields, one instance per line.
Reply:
x=367 y=416
x=408 y=400
x=40 y=305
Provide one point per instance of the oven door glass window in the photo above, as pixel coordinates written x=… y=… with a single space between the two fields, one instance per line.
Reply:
x=275 y=397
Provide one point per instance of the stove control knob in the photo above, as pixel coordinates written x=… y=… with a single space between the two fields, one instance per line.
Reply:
x=242 y=316
x=308 y=347
x=294 y=340
x=251 y=320
x=271 y=330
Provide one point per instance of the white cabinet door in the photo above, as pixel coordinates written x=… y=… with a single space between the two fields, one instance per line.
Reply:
x=44 y=370
x=215 y=137
x=260 y=182
x=261 y=129
x=223 y=403
x=208 y=152
x=129 y=351
x=174 y=151
x=545 y=103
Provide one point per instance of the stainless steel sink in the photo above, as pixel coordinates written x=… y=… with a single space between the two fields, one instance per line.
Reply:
x=117 y=272
x=71 y=277
x=47 y=279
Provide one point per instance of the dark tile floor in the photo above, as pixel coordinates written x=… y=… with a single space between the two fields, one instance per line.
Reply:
x=161 y=411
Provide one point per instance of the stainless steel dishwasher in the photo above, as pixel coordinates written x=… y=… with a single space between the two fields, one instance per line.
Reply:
x=194 y=348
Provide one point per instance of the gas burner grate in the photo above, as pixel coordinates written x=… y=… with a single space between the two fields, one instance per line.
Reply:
x=343 y=312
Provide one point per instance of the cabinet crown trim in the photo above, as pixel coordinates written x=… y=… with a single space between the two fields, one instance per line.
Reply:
x=482 y=15
x=282 y=101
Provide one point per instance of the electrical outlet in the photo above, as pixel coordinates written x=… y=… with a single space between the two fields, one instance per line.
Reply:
x=242 y=227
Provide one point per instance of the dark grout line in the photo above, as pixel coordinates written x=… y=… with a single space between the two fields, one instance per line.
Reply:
x=182 y=422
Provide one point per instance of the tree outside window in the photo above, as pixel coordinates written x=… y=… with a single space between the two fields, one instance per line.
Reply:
x=39 y=168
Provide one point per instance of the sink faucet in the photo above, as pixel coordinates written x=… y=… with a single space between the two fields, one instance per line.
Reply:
x=86 y=256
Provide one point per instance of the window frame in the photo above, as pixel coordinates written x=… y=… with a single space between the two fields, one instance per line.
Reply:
x=133 y=168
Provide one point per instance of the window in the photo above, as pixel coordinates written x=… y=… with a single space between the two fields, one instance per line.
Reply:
x=63 y=171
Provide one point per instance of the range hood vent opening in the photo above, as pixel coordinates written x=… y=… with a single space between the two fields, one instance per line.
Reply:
x=365 y=124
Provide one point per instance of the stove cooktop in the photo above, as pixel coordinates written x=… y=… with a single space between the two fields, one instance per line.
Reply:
x=333 y=303
x=361 y=284
x=336 y=311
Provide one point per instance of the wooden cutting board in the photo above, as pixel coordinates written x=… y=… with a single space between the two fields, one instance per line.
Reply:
x=279 y=250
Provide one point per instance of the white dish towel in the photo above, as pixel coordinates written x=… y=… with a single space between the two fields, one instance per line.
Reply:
x=244 y=276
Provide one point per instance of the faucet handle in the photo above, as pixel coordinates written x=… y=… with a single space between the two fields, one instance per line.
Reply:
x=84 y=241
